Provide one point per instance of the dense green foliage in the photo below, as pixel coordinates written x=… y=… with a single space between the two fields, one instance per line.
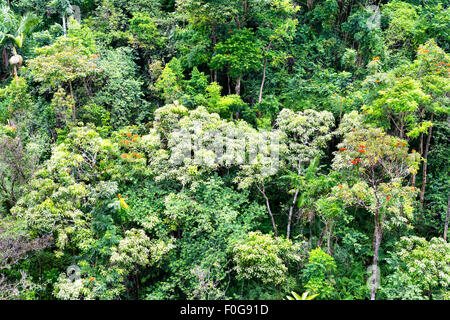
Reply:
x=334 y=183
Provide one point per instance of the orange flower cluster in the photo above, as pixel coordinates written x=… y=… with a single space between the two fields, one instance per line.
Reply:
x=129 y=135
x=91 y=279
x=340 y=186
x=361 y=151
x=134 y=154
x=376 y=59
x=342 y=149
x=354 y=130
x=423 y=51
x=355 y=161
x=95 y=56
x=388 y=198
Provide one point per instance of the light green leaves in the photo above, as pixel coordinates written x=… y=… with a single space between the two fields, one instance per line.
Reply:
x=304 y=296
x=265 y=258
x=241 y=53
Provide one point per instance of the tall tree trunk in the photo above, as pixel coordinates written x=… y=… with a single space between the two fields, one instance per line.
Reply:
x=414 y=176
x=64 y=24
x=376 y=246
x=294 y=201
x=5 y=57
x=446 y=218
x=425 y=164
x=264 y=72
x=74 y=109
x=263 y=192
x=319 y=243
x=14 y=52
x=263 y=80
x=214 y=41
x=329 y=229
x=237 y=89
x=291 y=212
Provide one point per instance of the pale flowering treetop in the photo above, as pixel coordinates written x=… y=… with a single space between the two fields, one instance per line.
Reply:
x=137 y=249
x=186 y=144
x=306 y=133
x=299 y=138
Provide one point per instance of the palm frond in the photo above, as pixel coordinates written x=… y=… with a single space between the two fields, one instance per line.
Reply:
x=27 y=22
